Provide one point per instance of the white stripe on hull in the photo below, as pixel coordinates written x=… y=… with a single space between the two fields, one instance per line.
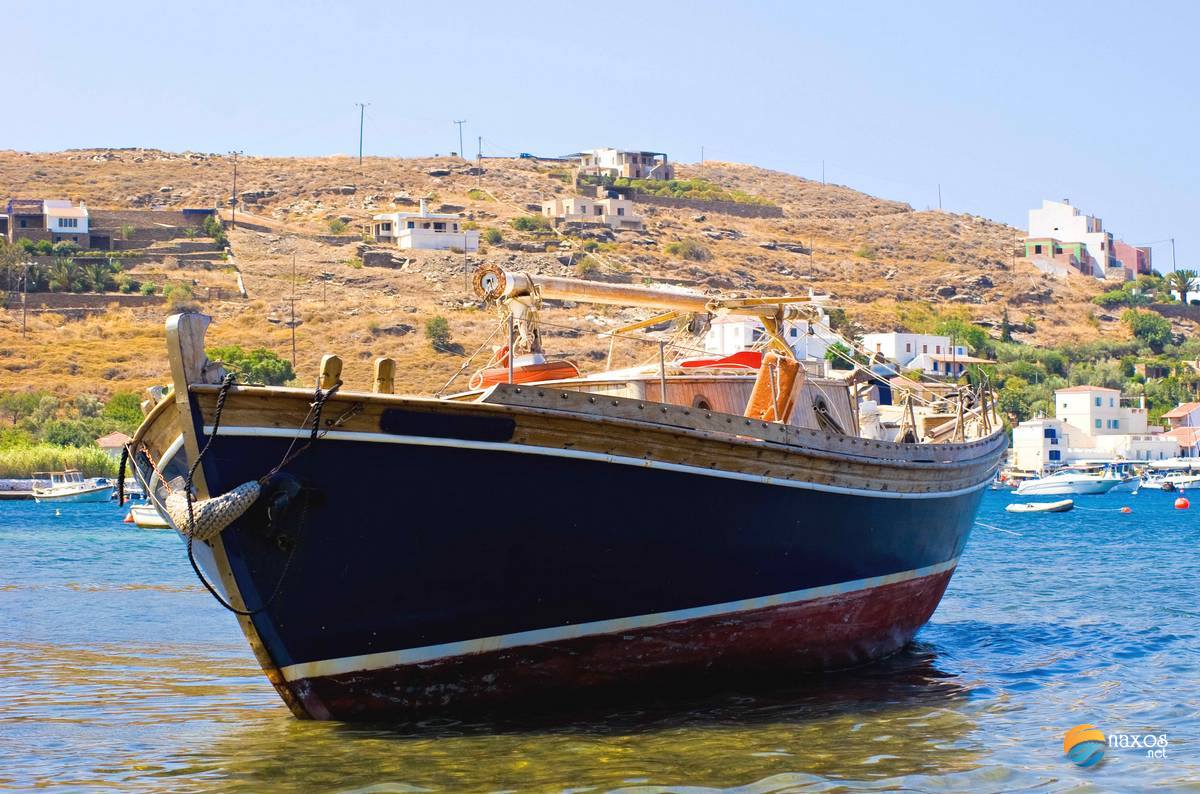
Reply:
x=429 y=653
x=427 y=441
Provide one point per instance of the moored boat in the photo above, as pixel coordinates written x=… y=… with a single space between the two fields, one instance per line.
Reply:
x=1070 y=481
x=1061 y=506
x=71 y=486
x=395 y=555
x=146 y=517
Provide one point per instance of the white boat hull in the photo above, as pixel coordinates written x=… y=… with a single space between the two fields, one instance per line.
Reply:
x=101 y=493
x=148 y=517
x=1061 y=506
x=1080 y=487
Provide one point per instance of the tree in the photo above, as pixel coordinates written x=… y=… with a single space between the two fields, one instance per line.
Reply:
x=64 y=276
x=20 y=404
x=437 y=331
x=1181 y=282
x=841 y=357
x=1005 y=327
x=493 y=237
x=125 y=408
x=255 y=366
x=1149 y=328
x=98 y=276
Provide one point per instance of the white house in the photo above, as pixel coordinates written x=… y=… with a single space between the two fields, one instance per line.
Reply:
x=903 y=348
x=632 y=165
x=1089 y=423
x=930 y=353
x=1183 y=415
x=424 y=230
x=62 y=218
x=730 y=334
x=1059 y=221
x=614 y=212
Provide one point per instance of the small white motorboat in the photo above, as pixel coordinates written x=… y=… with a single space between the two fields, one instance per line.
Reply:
x=1071 y=481
x=146 y=517
x=1061 y=506
x=70 y=486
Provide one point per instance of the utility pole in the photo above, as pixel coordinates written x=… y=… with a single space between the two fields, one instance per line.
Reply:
x=362 y=112
x=233 y=198
x=24 y=296
x=461 y=153
x=479 y=151
x=939 y=196
x=1172 y=254
x=701 y=154
x=822 y=172
x=293 y=321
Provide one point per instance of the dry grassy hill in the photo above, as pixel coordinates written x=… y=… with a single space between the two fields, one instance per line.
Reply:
x=878 y=258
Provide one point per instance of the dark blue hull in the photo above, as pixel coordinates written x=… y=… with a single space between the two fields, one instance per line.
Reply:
x=411 y=556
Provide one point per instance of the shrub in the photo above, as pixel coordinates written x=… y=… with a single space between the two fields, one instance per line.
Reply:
x=148 y=288
x=255 y=366
x=22 y=461
x=124 y=408
x=179 y=297
x=437 y=331
x=865 y=251
x=590 y=246
x=493 y=237
x=127 y=232
x=692 y=250
x=1149 y=328
x=354 y=262
x=337 y=226
x=530 y=223
x=586 y=266
x=478 y=195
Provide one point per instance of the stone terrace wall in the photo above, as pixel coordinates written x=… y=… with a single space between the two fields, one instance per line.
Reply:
x=723 y=207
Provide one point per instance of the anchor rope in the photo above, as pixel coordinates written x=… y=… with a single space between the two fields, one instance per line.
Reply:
x=314 y=413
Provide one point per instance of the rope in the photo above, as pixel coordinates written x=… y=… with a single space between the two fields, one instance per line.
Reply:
x=121 y=476
x=998 y=529
x=314 y=411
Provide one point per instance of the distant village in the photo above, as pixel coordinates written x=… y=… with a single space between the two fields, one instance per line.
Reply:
x=1089 y=422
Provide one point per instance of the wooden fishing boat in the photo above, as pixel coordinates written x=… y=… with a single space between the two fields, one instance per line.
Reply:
x=393 y=555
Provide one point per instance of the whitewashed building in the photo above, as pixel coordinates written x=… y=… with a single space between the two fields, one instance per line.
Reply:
x=731 y=334
x=62 y=218
x=424 y=230
x=631 y=165
x=1089 y=423
x=1057 y=222
x=930 y=353
x=614 y=212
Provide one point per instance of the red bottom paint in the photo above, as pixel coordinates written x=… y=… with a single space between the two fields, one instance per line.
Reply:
x=822 y=634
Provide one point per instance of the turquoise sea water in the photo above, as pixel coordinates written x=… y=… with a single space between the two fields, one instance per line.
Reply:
x=117 y=671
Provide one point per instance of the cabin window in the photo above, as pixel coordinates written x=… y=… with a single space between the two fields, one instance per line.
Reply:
x=412 y=225
x=438 y=226
x=620 y=210
x=1049 y=432
x=794 y=334
x=701 y=402
x=1055 y=454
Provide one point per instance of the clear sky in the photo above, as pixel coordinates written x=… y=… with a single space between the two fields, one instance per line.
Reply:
x=1003 y=104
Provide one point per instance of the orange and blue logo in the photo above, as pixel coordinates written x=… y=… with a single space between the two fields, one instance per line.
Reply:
x=1084 y=745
